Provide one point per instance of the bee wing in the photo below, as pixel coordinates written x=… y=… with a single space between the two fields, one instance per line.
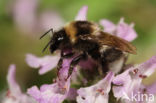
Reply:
x=111 y=40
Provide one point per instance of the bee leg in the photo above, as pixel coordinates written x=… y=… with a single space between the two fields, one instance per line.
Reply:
x=74 y=62
x=59 y=66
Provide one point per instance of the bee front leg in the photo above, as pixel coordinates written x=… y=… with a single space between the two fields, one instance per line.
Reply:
x=59 y=66
x=74 y=62
x=60 y=62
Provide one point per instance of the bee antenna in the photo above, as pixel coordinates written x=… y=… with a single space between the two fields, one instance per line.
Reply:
x=47 y=33
x=46 y=46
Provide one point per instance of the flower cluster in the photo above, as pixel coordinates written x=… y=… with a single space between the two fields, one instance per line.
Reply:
x=125 y=87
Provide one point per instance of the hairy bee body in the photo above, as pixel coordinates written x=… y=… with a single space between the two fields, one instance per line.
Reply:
x=87 y=39
x=76 y=28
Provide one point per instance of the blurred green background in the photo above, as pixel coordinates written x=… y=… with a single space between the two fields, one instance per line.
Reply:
x=15 y=44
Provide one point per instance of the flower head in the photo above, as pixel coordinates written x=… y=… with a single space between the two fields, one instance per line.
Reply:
x=97 y=93
x=130 y=81
x=121 y=30
x=56 y=92
x=48 y=93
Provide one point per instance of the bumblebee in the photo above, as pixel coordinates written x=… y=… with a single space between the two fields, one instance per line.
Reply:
x=86 y=39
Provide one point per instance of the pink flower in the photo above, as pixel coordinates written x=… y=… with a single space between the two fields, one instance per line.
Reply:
x=14 y=94
x=97 y=93
x=49 y=93
x=45 y=63
x=82 y=14
x=50 y=19
x=151 y=88
x=56 y=92
x=24 y=14
x=28 y=20
x=121 y=30
x=130 y=81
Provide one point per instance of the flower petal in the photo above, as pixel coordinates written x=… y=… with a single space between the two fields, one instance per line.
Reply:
x=20 y=11
x=56 y=92
x=63 y=71
x=145 y=69
x=151 y=89
x=121 y=83
x=125 y=31
x=49 y=93
x=46 y=95
x=14 y=94
x=130 y=81
x=108 y=26
x=97 y=93
x=82 y=14
x=14 y=87
x=45 y=63
x=34 y=92
x=72 y=94
x=121 y=30
x=51 y=19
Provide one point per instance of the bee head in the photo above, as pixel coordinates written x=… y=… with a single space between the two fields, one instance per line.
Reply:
x=58 y=40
